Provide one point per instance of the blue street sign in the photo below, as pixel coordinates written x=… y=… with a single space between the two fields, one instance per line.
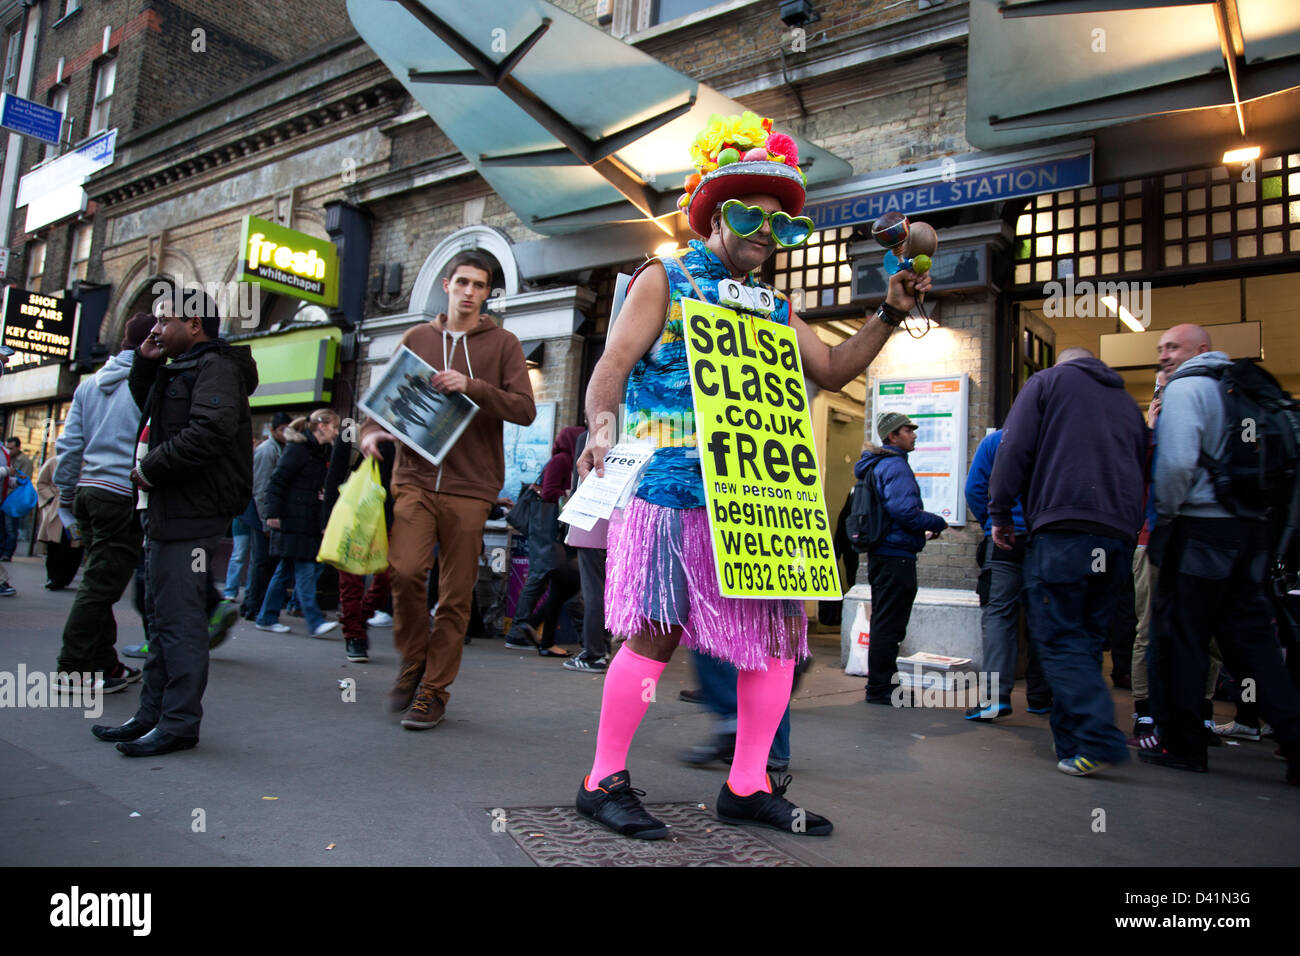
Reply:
x=1027 y=179
x=30 y=119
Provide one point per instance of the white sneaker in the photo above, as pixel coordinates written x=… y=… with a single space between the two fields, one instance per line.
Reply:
x=380 y=619
x=1239 y=731
x=324 y=628
x=276 y=628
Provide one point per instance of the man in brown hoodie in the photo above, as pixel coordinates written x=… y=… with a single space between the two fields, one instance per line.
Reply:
x=447 y=506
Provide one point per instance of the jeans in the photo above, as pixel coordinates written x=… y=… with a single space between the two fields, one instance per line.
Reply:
x=718 y=688
x=541 y=561
x=1071 y=579
x=9 y=537
x=304 y=587
x=260 y=568
x=238 y=562
x=1000 y=632
x=595 y=638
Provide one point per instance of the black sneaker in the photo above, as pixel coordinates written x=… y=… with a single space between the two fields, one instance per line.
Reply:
x=771 y=810
x=1163 y=758
x=128 y=674
x=358 y=650
x=581 y=663
x=615 y=804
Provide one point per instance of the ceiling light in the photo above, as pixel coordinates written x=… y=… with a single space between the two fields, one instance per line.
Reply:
x=665 y=248
x=1125 y=316
x=1243 y=155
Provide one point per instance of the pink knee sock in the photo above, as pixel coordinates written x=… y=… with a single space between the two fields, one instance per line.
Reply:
x=761 y=699
x=629 y=687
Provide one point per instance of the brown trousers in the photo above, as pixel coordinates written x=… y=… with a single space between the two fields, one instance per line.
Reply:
x=422 y=519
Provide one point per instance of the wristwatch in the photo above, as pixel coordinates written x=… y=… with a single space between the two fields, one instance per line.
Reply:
x=890 y=315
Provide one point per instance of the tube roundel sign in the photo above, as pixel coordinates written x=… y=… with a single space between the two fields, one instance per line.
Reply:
x=288 y=262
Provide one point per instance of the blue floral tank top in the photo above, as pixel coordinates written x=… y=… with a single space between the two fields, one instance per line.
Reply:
x=658 y=396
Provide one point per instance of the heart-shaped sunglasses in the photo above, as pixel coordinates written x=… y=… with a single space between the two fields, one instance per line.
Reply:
x=787 y=231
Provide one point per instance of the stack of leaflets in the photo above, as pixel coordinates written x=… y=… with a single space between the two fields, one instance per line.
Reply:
x=928 y=670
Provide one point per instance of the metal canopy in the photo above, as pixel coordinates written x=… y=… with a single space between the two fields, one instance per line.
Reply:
x=1046 y=68
x=571 y=127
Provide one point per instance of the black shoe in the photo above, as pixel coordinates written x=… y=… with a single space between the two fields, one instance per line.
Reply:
x=771 y=810
x=358 y=650
x=775 y=767
x=131 y=730
x=126 y=673
x=883 y=701
x=156 y=743
x=722 y=747
x=690 y=696
x=615 y=804
x=1163 y=758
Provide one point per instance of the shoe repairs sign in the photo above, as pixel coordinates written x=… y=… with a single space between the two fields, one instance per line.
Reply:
x=767 y=513
x=40 y=328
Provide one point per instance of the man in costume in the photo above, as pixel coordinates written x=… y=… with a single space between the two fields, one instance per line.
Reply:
x=661 y=587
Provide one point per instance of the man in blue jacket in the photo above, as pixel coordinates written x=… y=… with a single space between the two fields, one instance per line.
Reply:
x=1073 y=450
x=891 y=565
x=1001 y=598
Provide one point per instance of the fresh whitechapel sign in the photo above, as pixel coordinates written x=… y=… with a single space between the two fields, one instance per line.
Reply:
x=289 y=262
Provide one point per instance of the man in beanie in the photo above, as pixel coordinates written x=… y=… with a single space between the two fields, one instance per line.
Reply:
x=96 y=501
x=891 y=564
x=662 y=587
x=260 y=563
x=1073 y=452
x=194 y=472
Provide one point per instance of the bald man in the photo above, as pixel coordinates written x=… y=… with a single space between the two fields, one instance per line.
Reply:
x=1213 y=568
x=1073 y=451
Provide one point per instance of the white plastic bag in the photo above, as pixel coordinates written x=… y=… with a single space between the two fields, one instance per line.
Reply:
x=859 y=643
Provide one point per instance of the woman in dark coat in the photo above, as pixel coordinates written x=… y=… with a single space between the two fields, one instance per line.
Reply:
x=293 y=504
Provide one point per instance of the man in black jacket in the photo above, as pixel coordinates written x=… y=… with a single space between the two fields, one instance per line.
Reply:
x=196 y=475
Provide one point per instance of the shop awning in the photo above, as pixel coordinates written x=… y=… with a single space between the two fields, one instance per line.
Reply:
x=572 y=127
x=294 y=367
x=1045 y=68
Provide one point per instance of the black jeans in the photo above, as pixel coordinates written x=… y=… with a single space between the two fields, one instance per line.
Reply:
x=1212 y=583
x=110 y=530
x=893 y=589
x=260 y=568
x=595 y=639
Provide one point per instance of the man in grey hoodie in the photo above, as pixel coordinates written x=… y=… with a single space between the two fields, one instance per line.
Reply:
x=96 y=452
x=1213 y=567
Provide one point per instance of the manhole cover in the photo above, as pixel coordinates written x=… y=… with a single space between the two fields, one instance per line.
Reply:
x=557 y=836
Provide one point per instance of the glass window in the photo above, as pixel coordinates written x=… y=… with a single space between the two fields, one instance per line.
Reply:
x=79 y=261
x=35 y=265
x=105 y=79
x=665 y=10
x=58 y=101
x=13 y=51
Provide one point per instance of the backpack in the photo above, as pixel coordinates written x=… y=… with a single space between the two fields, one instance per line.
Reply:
x=868 y=521
x=1256 y=476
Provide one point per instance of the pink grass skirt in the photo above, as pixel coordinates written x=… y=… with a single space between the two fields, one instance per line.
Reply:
x=660 y=572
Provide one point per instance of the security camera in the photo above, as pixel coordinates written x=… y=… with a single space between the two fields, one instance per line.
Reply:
x=798 y=13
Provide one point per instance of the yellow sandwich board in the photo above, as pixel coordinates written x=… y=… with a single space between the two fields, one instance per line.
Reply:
x=767 y=513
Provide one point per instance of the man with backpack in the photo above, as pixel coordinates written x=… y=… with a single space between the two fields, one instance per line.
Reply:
x=892 y=528
x=1224 y=482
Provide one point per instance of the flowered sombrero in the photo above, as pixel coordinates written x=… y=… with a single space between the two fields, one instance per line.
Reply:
x=739 y=156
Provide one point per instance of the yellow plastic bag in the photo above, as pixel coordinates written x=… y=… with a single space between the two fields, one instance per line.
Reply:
x=356 y=536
